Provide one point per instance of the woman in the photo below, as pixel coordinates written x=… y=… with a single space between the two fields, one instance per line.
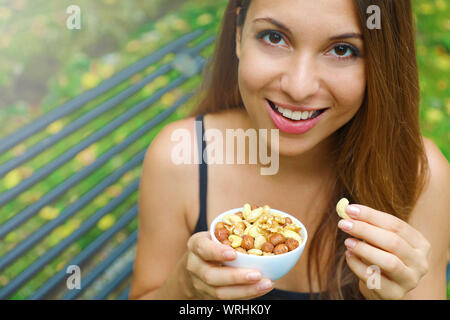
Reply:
x=361 y=86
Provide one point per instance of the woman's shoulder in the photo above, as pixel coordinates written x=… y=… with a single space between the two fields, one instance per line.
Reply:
x=431 y=215
x=438 y=181
x=164 y=169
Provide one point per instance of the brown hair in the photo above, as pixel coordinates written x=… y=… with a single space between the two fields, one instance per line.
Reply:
x=380 y=159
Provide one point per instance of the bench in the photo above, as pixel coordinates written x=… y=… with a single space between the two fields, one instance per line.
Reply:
x=100 y=258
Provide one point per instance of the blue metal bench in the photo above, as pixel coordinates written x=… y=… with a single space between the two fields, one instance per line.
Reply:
x=188 y=62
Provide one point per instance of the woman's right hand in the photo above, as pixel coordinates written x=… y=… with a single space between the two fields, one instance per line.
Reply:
x=208 y=279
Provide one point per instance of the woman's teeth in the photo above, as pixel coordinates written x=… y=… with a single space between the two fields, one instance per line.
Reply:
x=297 y=115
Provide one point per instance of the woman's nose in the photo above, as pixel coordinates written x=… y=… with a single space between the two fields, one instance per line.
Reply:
x=300 y=79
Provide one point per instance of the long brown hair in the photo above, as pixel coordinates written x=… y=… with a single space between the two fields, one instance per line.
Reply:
x=380 y=159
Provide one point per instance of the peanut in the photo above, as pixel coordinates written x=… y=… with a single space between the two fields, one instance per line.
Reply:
x=221 y=234
x=291 y=244
x=220 y=225
x=247 y=242
x=226 y=242
x=276 y=239
x=281 y=248
x=257 y=231
x=267 y=247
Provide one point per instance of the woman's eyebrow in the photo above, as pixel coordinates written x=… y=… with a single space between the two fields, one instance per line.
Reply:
x=283 y=27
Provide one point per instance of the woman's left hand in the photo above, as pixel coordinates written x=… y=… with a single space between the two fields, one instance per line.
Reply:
x=389 y=245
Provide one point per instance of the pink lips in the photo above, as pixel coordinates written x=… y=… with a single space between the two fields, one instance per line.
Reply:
x=291 y=126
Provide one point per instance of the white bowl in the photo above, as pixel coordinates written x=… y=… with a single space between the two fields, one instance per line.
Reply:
x=272 y=267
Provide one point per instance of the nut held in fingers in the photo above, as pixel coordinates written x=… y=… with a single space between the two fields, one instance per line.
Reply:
x=341 y=207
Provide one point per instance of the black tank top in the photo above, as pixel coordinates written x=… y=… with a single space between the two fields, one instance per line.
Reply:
x=275 y=294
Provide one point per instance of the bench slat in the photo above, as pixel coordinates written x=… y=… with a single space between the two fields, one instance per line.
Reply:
x=41 y=233
x=46 y=143
x=104 y=293
x=28 y=130
x=68 y=155
x=29 y=212
x=87 y=253
x=87 y=280
x=43 y=260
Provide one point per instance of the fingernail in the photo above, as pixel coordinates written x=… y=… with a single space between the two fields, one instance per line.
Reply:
x=264 y=285
x=348 y=254
x=253 y=276
x=345 y=225
x=350 y=243
x=229 y=254
x=353 y=211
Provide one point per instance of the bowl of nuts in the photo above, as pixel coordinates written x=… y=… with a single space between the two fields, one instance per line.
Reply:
x=265 y=239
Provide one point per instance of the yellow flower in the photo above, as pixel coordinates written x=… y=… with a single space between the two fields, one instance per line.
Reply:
x=441 y=4
x=161 y=81
x=49 y=213
x=106 y=71
x=89 y=80
x=114 y=190
x=55 y=127
x=180 y=25
x=12 y=179
x=18 y=150
x=87 y=156
x=204 y=19
x=169 y=99
x=426 y=8
x=434 y=115
x=106 y=222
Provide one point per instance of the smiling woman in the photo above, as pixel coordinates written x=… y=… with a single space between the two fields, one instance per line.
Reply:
x=345 y=99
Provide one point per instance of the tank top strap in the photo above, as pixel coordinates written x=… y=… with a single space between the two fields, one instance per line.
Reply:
x=203 y=174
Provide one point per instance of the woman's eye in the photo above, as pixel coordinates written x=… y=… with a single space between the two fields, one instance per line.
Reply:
x=344 y=51
x=271 y=37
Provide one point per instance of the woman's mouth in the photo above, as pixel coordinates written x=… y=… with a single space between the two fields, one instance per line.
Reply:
x=295 y=122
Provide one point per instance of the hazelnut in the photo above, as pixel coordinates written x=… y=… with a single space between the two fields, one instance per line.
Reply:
x=267 y=247
x=221 y=234
x=287 y=220
x=281 y=248
x=277 y=238
x=247 y=242
x=291 y=244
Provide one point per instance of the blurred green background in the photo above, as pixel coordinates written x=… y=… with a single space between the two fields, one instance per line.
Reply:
x=43 y=64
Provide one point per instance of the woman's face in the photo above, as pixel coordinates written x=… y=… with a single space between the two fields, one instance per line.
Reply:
x=315 y=69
